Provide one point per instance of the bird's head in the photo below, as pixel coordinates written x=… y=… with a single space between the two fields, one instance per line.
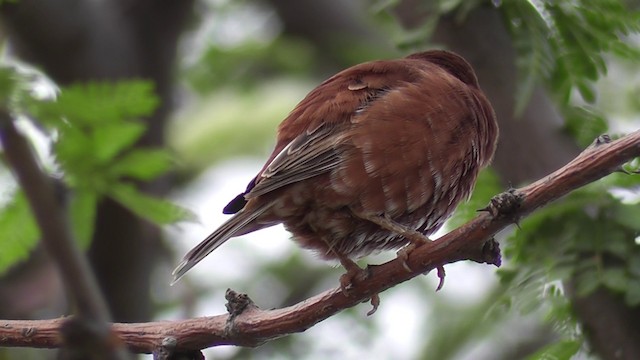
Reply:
x=453 y=63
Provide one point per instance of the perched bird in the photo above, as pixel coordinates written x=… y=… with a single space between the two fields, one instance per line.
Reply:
x=376 y=157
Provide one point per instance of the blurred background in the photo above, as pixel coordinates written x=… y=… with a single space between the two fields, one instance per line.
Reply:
x=225 y=74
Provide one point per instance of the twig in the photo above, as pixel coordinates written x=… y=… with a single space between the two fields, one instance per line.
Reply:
x=253 y=326
x=56 y=236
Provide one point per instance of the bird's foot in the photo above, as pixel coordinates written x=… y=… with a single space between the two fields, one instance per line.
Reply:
x=415 y=242
x=403 y=256
x=416 y=238
x=353 y=275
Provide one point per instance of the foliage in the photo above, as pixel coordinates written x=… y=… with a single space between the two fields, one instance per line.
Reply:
x=589 y=239
x=566 y=46
x=563 y=349
x=18 y=229
x=410 y=39
x=92 y=129
x=565 y=43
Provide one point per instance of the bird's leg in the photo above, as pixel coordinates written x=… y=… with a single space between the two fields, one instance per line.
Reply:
x=355 y=273
x=385 y=222
x=415 y=238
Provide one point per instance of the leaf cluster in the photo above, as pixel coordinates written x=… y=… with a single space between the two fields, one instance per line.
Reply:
x=92 y=129
x=567 y=46
x=566 y=43
x=589 y=239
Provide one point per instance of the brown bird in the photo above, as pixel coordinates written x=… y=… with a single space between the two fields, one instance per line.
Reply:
x=377 y=157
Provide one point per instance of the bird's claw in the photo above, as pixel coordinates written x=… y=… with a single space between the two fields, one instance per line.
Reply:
x=441 y=276
x=354 y=274
x=375 y=303
x=403 y=256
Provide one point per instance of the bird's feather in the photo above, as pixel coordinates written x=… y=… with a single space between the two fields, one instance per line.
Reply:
x=241 y=223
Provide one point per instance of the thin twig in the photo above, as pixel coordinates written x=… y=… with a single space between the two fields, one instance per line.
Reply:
x=56 y=234
x=253 y=326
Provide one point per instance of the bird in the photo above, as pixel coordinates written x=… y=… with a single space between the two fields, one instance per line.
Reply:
x=375 y=158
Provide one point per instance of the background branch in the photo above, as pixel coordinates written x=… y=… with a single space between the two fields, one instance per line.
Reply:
x=251 y=326
x=56 y=236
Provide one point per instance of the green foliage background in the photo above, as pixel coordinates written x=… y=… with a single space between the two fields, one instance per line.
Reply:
x=92 y=130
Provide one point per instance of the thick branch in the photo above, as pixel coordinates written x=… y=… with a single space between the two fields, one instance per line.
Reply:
x=252 y=326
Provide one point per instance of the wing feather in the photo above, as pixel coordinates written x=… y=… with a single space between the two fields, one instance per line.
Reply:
x=308 y=155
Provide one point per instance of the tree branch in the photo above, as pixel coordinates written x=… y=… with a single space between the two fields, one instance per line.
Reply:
x=247 y=325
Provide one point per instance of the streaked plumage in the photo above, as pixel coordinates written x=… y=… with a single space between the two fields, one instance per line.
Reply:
x=401 y=139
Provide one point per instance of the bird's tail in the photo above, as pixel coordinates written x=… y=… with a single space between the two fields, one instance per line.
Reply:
x=241 y=223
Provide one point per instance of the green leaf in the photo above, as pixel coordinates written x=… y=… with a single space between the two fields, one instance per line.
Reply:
x=111 y=139
x=98 y=103
x=155 y=210
x=84 y=154
x=587 y=92
x=74 y=146
x=18 y=232
x=82 y=212
x=142 y=164
x=531 y=37
x=561 y=350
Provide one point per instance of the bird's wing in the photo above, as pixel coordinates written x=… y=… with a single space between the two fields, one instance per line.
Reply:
x=310 y=154
x=325 y=112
